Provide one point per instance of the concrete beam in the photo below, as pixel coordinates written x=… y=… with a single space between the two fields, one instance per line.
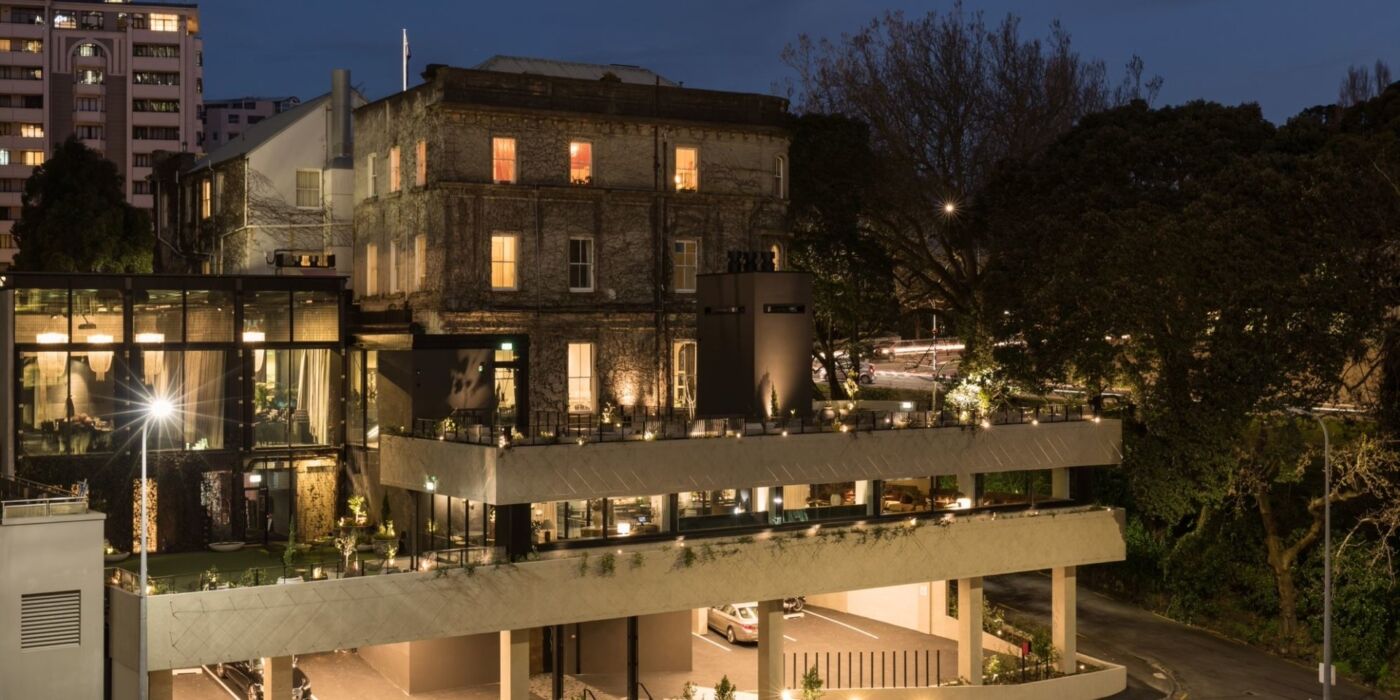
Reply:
x=970 y=630
x=539 y=473
x=188 y=629
x=1064 y=615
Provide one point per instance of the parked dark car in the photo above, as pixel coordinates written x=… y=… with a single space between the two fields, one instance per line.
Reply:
x=246 y=678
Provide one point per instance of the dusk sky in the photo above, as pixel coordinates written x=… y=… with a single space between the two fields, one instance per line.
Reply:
x=1284 y=54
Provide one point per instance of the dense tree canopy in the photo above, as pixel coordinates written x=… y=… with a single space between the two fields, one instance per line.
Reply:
x=852 y=276
x=1221 y=270
x=75 y=217
x=946 y=98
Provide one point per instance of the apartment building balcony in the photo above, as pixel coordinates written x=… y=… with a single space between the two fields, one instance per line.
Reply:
x=23 y=115
x=636 y=454
x=149 y=63
x=18 y=30
x=13 y=86
x=156 y=92
x=157 y=119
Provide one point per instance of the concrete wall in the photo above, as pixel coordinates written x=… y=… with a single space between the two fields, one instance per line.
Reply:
x=43 y=555
x=209 y=626
x=664 y=644
x=530 y=474
x=437 y=664
x=1109 y=681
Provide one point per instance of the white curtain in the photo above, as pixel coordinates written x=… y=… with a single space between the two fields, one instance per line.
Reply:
x=204 y=398
x=314 y=393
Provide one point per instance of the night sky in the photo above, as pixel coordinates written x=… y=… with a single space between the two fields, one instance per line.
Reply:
x=1284 y=54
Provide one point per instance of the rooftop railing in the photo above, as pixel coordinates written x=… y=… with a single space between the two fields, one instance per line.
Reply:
x=22 y=498
x=650 y=423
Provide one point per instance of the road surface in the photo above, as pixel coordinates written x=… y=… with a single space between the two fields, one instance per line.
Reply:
x=1191 y=662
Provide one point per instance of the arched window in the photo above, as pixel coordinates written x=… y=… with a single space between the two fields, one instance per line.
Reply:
x=90 y=50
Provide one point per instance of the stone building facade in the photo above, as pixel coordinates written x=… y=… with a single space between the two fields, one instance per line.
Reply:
x=605 y=231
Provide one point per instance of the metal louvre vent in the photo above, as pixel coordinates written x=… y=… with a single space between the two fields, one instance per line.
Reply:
x=50 y=620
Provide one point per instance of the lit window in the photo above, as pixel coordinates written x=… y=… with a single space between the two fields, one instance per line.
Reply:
x=503 y=260
x=777 y=252
x=420 y=164
x=420 y=262
x=683 y=373
x=32 y=157
x=503 y=159
x=31 y=131
x=164 y=22
x=779 y=176
x=89 y=51
x=4 y=156
x=581 y=377
x=373 y=176
x=371 y=269
x=685 y=261
x=65 y=20
x=206 y=198
x=309 y=189
x=394 y=182
x=687 y=169
x=88 y=76
x=581 y=163
x=580 y=264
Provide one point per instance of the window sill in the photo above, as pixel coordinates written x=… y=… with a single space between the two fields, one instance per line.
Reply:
x=580 y=290
x=505 y=289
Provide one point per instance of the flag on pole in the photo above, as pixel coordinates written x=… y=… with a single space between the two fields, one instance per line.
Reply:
x=406 y=55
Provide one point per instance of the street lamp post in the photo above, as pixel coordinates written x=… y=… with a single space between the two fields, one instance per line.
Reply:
x=157 y=409
x=1325 y=673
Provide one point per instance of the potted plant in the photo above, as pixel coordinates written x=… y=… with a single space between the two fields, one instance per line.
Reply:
x=385 y=536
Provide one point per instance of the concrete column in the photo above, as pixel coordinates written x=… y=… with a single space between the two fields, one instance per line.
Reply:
x=770 y=649
x=1064 y=616
x=700 y=620
x=277 y=676
x=938 y=603
x=970 y=629
x=161 y=685
x=1059 y=483
x=515 y=665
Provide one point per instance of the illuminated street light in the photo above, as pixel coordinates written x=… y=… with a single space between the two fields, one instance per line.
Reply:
x=160 y=408
x=950 y=208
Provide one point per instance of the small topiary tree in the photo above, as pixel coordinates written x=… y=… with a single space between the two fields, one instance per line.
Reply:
x=289 y=555
x=812 y=684
x=725 y=690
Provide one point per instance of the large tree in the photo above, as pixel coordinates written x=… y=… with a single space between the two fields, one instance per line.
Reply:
x=853 y=281
x=947 y=97
x=1220 y=270
x=75 y=217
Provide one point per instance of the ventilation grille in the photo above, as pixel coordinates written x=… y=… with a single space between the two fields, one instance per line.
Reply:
x=49 y=620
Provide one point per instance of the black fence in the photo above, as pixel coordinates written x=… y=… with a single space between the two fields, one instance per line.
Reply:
x=641 y=423
x=900 y=668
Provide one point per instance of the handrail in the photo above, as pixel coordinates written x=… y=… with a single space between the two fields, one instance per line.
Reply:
x=645 y=423
x=588 y=693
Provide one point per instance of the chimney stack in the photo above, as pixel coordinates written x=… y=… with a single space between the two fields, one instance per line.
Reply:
x=341 y=142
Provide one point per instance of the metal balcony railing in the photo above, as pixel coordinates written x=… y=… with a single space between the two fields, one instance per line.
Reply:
x=649 y=423
x=22 y=498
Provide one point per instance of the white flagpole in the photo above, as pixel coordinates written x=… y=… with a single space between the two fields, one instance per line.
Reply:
x=405 y=59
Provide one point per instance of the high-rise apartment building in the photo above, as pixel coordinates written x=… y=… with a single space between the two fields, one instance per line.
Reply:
x=124 y=77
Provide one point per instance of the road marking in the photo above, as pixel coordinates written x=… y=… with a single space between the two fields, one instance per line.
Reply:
x=838 y=622
x=706 y=638
x=790 y=639
x=220 y=681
